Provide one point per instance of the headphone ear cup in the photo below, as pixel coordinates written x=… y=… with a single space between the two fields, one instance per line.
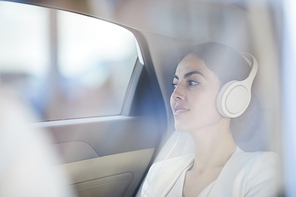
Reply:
x=220 y=95
x=233 y=99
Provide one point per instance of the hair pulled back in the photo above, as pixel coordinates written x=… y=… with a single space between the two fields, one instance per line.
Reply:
x=227 y=63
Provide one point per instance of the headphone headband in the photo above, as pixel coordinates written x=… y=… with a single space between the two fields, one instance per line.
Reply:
x=253 y=65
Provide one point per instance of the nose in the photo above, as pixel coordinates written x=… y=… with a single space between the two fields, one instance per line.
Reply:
x=178 y=93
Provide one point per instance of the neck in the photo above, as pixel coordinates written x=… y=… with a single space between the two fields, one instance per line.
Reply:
x=213 y=146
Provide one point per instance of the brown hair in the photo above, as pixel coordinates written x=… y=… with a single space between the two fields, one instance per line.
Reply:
x=227 y=63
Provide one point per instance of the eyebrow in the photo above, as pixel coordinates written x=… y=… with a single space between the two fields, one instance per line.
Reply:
x=189 y=74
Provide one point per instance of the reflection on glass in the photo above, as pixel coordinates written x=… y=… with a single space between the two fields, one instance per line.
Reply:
x=24 y=49
x=95 y=60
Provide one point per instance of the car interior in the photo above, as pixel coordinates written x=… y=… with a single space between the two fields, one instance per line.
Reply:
x=98 y=73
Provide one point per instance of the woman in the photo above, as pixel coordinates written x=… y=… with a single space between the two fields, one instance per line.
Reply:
x=218 y=167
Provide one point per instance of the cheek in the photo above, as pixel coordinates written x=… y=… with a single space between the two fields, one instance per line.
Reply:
x=204 y=105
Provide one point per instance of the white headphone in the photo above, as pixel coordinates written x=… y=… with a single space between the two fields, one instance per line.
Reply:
x=235 y=96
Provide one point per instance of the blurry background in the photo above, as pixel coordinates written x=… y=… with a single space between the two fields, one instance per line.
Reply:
x=63 y=64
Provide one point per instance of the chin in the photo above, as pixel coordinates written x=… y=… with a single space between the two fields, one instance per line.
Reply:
x=188 y=126
x=182 y=127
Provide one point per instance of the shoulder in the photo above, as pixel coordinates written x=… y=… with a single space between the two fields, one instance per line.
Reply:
x=257 y=165
x=261 y=172
x=265 y=164
x=249 y=174
x=255 y=160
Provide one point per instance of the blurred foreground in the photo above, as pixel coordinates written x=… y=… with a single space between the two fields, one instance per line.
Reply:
x=28 y=165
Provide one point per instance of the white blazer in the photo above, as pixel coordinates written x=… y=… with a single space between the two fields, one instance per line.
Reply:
x=244 y=174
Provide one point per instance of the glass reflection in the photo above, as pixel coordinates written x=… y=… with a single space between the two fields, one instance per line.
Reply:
x=65 y=65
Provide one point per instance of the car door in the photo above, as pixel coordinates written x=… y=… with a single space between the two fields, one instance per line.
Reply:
x=104 y=110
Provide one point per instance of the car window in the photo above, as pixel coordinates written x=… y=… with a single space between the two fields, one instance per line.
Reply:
x=64 y=64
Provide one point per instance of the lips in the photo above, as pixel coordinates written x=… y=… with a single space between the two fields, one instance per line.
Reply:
x=180 y=110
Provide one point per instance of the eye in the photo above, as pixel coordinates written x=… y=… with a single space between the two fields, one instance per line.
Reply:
x=192 y=83
x=174 y=85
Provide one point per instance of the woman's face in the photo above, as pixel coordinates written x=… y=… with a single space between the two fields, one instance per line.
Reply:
x=193 y=101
